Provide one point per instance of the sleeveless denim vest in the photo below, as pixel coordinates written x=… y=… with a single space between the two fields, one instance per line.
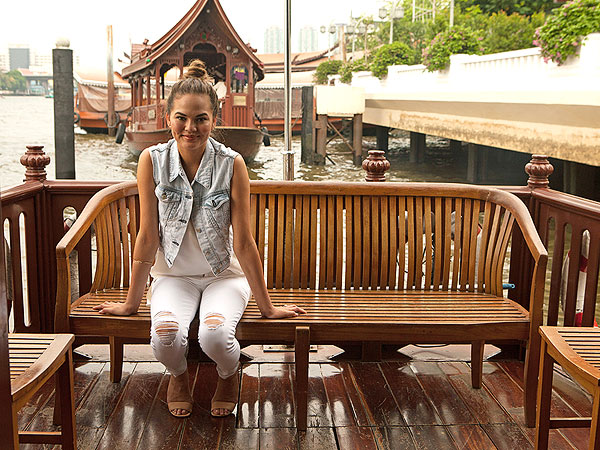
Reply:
x=205 y=201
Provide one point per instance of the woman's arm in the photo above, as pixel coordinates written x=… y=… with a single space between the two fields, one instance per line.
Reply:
x=146 y=243
x=245 y=247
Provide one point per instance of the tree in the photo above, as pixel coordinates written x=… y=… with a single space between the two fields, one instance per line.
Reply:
x=454 y=41
x=524 y=7
x=326 y=68
x=510 y=32
x=12 y=81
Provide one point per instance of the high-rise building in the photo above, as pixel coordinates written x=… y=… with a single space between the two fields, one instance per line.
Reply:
x=308 y=41
x=274 y=40
x=4 y=66
x=18 y=58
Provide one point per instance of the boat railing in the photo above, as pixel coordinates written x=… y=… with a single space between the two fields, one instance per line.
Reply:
x=149 y=117
x=36 y=215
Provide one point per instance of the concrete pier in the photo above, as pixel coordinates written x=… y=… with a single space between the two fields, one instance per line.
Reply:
x=417 y=147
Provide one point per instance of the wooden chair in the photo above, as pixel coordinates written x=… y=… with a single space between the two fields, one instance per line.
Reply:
x=27 y=362
x=577 y=350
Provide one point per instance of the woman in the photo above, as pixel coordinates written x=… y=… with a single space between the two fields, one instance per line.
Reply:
x=193 y=191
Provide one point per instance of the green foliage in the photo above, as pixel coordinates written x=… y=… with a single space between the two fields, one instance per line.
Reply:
x=326 y=68
x=455 y=40
x=510 y=32
x=563 y=32
x=350 y=67
x=523 y=7
x=12 y=81
x=389 y=55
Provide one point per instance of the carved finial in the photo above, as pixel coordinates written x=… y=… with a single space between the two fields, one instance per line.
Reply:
x=375 y=165
x=35 y=161
x=538 y=169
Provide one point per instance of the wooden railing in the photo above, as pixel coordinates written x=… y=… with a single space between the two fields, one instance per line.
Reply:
x=33 y=222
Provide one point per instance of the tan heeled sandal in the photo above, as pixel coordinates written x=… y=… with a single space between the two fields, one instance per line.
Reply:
x=226 y=395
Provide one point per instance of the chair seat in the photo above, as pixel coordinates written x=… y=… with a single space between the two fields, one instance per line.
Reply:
x=331 y=311
x=33 y=359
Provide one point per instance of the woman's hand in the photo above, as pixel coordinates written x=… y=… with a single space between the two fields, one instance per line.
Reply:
x=284 y=312
x=115 y=308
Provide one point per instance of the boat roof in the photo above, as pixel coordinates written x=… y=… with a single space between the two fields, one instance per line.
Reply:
x=95 y=77
x=148 y=53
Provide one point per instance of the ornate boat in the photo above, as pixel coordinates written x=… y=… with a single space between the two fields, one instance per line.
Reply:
x=203 y=33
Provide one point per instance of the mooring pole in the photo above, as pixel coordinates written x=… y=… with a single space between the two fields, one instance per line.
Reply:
x=288 y=152
x=64 y=135
x=110 y=77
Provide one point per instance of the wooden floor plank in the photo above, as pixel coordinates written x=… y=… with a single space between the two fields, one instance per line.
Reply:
x=319 y=411
x=415 y=406
x=128 y=421
x=449 y=406
x=483 y=406
x=344 y=400
x=359 y=438
x=233 y=438
x=317 y=438
x=278 y=439
x=277 y=407
x=394 y=438
x=470 y=437
x=507 y=436
x=381 y=406
x=432 y=437
x=248 y=413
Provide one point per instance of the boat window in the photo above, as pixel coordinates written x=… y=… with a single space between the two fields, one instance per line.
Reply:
x=239 y=80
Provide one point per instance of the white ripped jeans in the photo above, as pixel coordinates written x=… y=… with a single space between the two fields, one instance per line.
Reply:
x=173 y=306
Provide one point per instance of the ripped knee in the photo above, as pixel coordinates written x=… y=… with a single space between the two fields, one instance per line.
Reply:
x=214 y=320
x=166 y=327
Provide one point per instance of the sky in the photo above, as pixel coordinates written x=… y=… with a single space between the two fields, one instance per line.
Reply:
x=39 y=23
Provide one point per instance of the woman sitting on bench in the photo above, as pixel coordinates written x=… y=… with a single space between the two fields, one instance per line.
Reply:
x=192 y=191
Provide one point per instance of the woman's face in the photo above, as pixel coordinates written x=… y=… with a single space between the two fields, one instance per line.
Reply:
x=191 y=121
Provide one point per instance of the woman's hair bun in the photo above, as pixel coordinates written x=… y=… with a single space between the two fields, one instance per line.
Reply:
x=196 y=69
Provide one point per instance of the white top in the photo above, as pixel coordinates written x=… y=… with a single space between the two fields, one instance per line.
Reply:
x=190 y=260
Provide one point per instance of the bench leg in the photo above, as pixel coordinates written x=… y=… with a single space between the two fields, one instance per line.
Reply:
x=544 y=398
x=477 y=348
x=301 y=356
x=532 y=368
x=595 y=430
x=116 y=359
x=66 y=399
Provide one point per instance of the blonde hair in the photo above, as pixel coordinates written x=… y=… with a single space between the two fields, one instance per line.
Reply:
x=194 y=80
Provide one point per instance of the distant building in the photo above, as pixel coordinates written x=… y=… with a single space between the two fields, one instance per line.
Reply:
x=274 y=40
x=308 y=41
x=18 y=58
x=4 y=66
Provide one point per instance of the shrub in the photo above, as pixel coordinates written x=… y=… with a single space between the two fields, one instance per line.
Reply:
x=350 y=67
x=331 y=67
x=456 y=40
x=510 y=32
x=563 y=32
x=390 y=55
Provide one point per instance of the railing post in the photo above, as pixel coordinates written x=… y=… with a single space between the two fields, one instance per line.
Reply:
x=376 y=164
x=35 y=162
x=538 y=169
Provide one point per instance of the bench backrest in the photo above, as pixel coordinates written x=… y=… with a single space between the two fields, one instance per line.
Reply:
x=349 y=235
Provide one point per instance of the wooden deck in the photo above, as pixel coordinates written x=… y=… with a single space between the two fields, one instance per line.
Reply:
x=424 y=401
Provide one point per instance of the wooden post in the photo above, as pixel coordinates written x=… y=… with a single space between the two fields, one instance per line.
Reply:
x=357 y=134
x=64 y=135
x=302 y=346
x=321 y=132
x=110 y=76
x=538 y=169
x=375 y=165
x=455 y=146
x=308 y=127
x=417 y=147
x=472 y=163
x=382 y=134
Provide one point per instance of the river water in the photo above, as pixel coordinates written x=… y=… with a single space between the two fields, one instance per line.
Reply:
x=29 y=121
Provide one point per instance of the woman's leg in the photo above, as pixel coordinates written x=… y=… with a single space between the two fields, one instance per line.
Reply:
x=173 y=306
x=223 y=303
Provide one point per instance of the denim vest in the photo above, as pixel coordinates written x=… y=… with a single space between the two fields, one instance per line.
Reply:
x=205 y=201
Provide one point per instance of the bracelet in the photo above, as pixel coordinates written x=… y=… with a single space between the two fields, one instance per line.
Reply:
x=139 y=261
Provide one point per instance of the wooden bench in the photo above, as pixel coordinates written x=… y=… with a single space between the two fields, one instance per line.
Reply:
x=370 y=262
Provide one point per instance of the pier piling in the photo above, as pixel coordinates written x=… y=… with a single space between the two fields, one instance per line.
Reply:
x=64 y=134
x=417 y=147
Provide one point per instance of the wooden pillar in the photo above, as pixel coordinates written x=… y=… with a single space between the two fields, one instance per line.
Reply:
x=307 y=140
x=472 y=163
x=321 y=133
x=140 y=91
x=455 y=146
x=417 y=147
x=159 y=113
x=148 y=89
x=357 y=135
x=382 y=134
x=64 y=135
